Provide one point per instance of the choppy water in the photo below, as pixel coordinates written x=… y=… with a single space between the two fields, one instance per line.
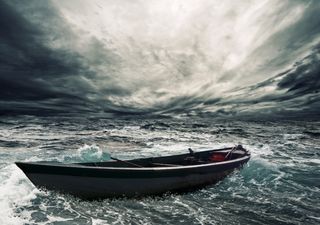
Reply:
x=280 y=184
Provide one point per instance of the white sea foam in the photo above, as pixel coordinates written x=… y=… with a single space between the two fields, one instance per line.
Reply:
x=98 y=222
x=15 y=191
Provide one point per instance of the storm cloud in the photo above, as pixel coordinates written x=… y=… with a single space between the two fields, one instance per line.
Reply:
x=32 y=74
x=151 y=57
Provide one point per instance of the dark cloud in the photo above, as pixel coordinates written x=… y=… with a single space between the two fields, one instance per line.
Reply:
x=29 y=69
x=304 y=78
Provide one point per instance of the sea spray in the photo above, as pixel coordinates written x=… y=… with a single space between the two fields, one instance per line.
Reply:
x=89 y=153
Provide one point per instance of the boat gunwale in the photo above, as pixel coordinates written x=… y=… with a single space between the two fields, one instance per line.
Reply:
x=246 y=156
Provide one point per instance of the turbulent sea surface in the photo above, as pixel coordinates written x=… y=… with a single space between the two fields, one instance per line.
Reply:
x=279 y=185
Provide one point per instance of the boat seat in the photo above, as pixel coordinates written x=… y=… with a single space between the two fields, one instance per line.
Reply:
x=164 y=164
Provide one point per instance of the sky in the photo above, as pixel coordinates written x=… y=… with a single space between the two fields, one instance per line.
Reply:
x=170 y=57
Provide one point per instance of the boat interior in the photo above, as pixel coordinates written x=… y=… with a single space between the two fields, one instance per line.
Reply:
x=191 y=158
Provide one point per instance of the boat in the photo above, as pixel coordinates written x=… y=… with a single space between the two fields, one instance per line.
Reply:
x=137 y=177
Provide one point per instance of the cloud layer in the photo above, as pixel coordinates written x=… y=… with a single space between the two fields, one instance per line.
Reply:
x=160 y=57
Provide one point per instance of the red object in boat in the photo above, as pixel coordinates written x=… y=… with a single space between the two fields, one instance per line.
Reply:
x=217 y=157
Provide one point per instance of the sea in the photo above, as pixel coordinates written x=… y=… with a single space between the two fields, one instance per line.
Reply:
x=279 y=185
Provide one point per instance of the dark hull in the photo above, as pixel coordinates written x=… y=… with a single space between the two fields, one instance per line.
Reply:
x=92 y=182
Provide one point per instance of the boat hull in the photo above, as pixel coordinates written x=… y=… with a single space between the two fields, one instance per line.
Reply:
x=97 y=187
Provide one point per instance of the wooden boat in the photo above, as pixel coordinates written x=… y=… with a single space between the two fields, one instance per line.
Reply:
x=138 y=177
